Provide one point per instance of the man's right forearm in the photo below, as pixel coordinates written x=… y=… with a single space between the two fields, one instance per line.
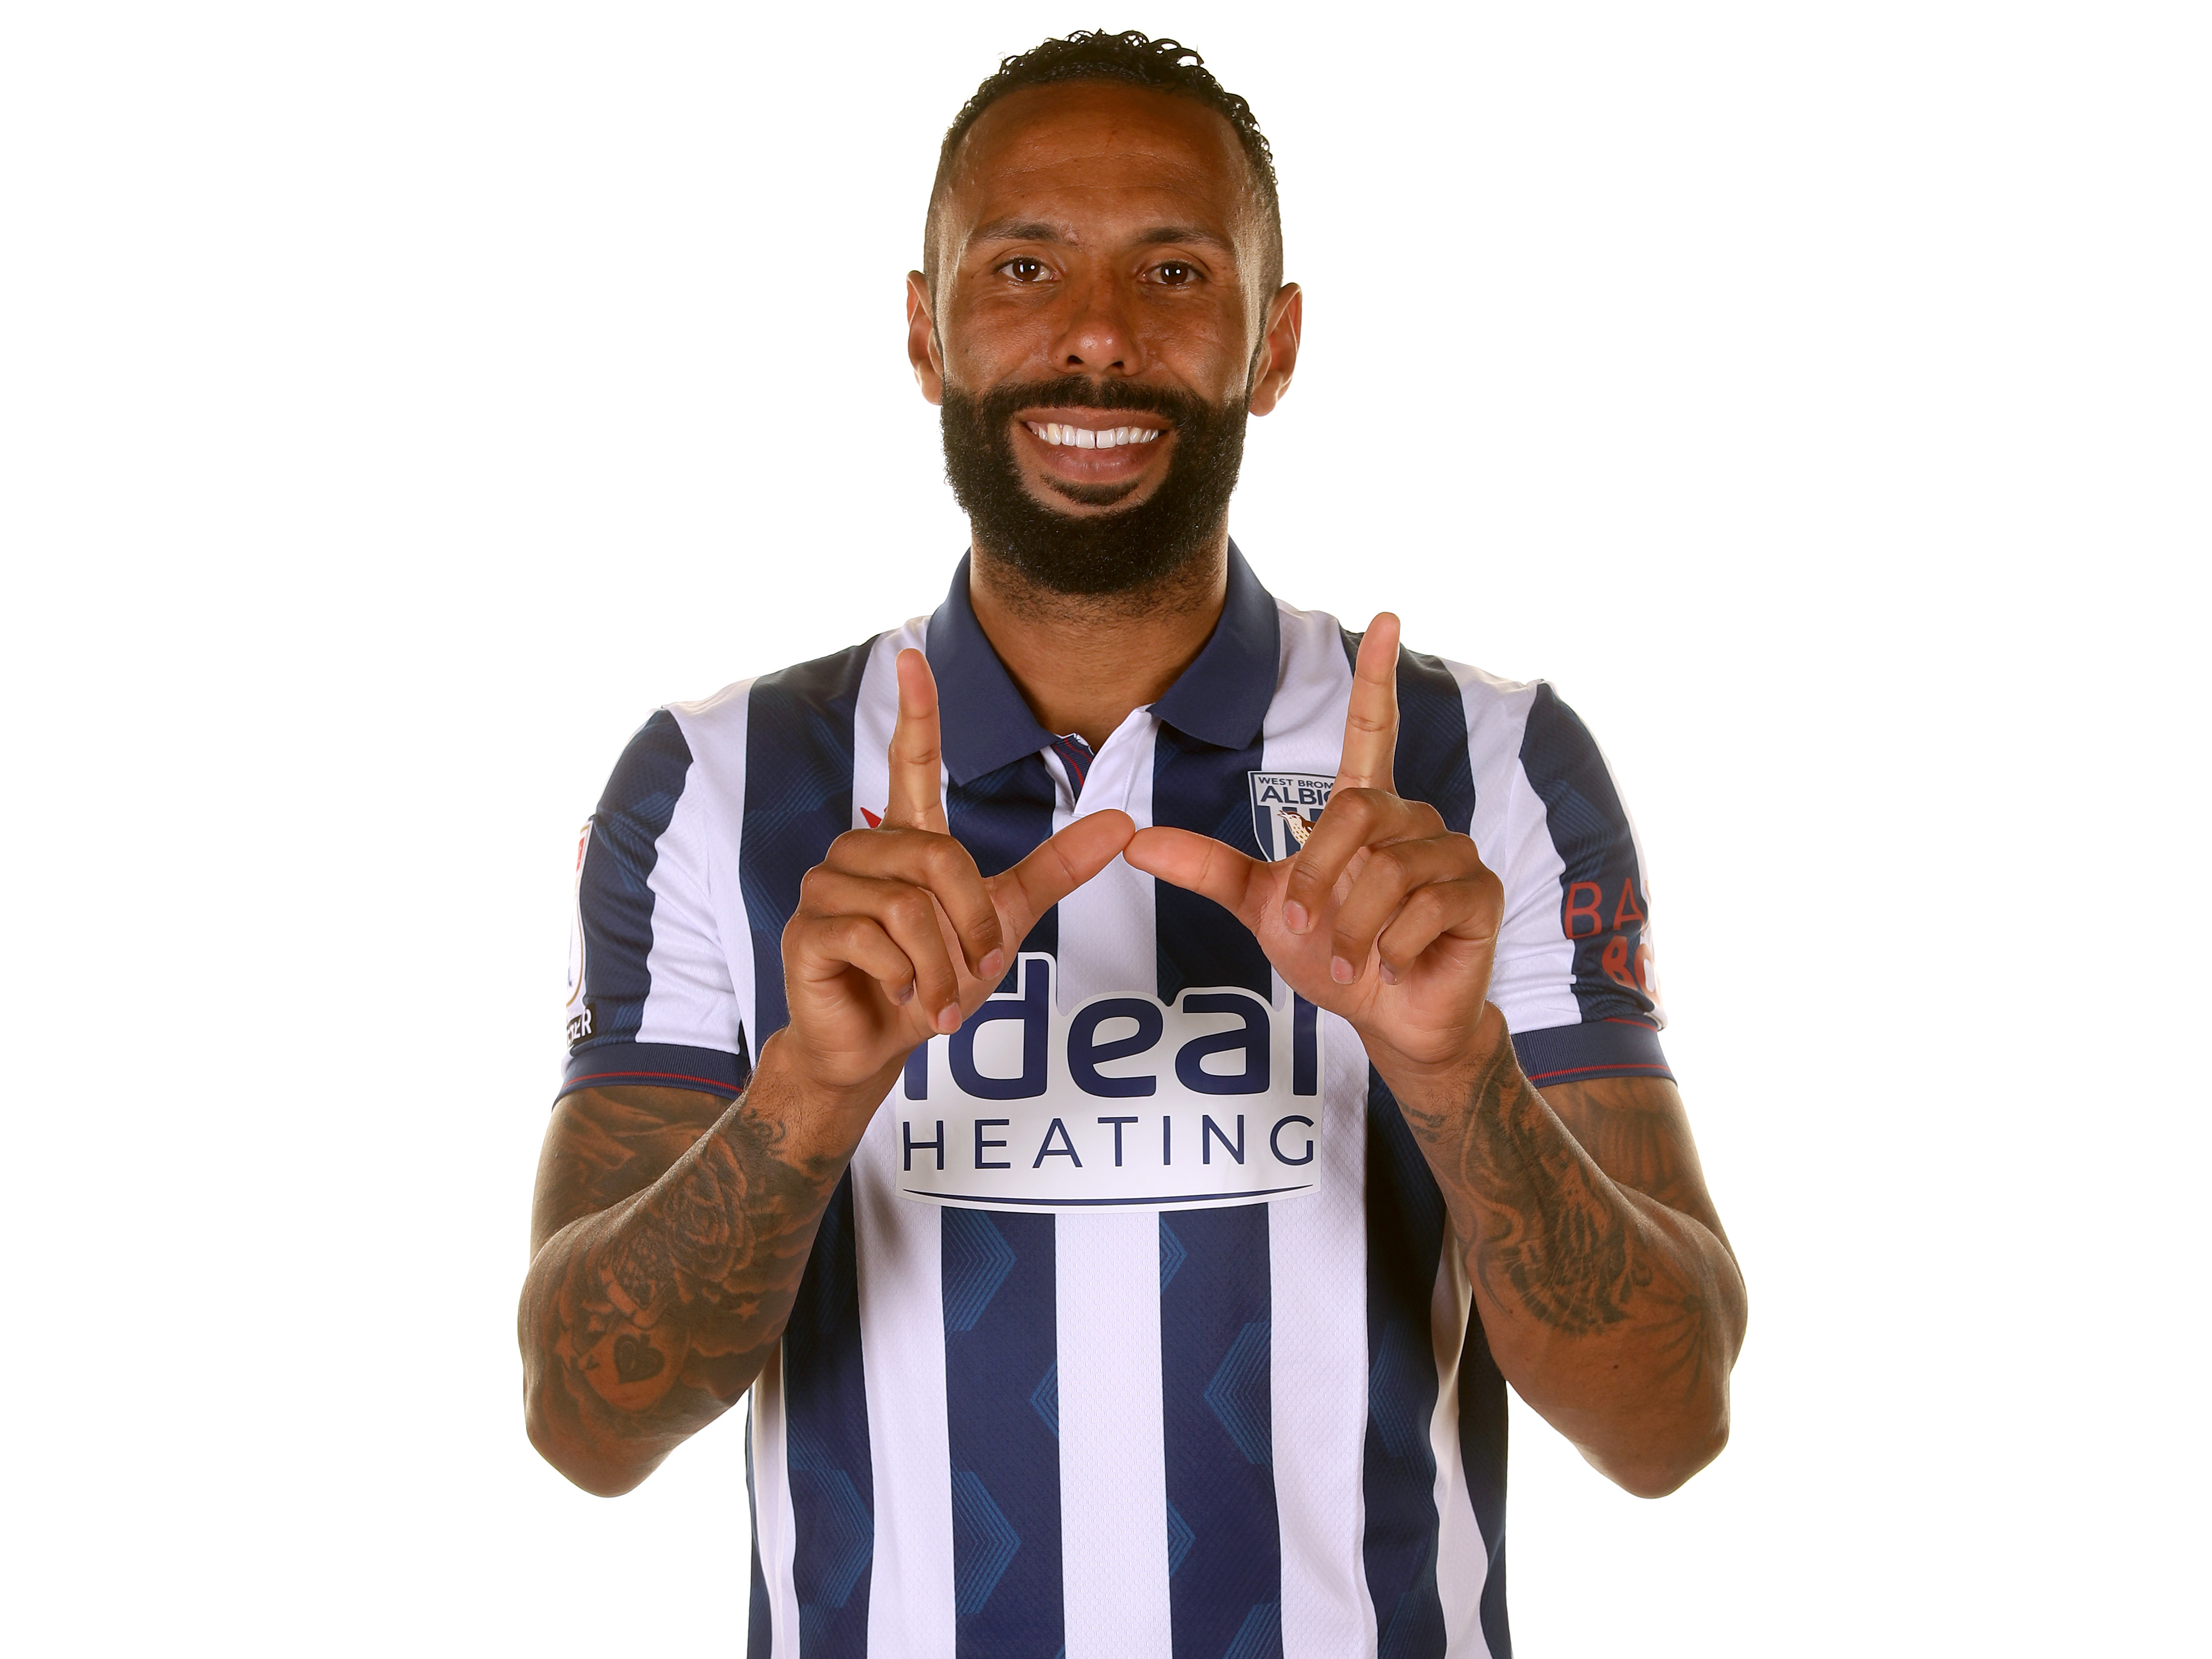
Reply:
x=644 y=1322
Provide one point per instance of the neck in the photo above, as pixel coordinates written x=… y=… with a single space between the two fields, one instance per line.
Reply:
x=1084 y=661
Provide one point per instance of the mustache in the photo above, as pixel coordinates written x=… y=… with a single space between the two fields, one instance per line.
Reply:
x=1001 y=403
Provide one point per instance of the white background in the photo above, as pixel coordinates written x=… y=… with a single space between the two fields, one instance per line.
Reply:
x=397 y=401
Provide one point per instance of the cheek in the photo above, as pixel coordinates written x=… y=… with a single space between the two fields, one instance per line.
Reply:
x=987 y=339
x=1207 y=353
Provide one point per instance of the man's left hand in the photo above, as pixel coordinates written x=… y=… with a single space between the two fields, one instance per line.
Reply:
x=1384 y=916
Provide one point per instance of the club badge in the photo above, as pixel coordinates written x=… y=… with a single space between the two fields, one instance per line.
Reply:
x=1285 y=807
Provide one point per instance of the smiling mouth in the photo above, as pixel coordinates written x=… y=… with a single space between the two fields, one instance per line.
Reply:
x=1061 y=435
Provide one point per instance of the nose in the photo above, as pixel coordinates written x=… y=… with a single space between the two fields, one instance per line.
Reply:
x=1095 y=334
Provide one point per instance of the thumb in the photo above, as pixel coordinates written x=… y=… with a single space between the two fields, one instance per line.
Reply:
x=1200 y=863
x=1058 y=868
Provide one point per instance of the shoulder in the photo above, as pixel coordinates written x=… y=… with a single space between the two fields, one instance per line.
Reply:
x=708 y=737
x=1523 y=725
x=1316 y=642
x=1524 y=742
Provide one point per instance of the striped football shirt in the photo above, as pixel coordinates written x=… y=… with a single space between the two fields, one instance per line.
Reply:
x=1135 y=1327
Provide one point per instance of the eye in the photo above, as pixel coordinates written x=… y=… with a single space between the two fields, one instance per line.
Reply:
x=1174 y=273
x=1025 y=269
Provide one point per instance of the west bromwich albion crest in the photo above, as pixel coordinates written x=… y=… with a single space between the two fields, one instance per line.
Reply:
x=1284 y=808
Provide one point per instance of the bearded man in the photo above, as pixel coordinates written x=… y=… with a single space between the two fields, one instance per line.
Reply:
x=1124 y=1071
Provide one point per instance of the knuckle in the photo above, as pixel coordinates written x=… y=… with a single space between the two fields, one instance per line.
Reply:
x=1457 y=903
x=951 y=864
x=1416 y=901
x=818 y=892
x=1397 y=866
x=1429 y=905
x=1368 y=806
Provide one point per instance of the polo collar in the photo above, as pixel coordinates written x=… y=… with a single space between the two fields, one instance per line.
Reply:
x=1222 y=698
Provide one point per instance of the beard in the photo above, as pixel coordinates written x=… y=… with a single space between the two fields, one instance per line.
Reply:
x=1098 y=553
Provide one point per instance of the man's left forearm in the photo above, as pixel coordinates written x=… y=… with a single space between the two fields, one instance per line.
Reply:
x=1615 y=1316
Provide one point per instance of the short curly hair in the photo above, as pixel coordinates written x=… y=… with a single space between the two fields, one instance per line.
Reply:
x=1095 y=55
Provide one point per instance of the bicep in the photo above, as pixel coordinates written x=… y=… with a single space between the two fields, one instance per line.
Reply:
x=1636 y=1130
x=605 y=1146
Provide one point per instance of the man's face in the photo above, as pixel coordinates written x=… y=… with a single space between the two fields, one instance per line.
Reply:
x=1099 y=330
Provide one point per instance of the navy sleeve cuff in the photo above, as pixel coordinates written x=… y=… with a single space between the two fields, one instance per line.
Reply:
x=657 y=1065
x=1601 y=1047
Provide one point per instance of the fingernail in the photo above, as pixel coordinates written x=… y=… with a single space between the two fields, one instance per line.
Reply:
x=1383 y=973
x=1294 y=917
x=948 y=1018
x=903 y=995
x=1340 y=970
x=993 y=965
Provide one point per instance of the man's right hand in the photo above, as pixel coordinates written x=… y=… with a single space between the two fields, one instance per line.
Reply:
x=898 y=937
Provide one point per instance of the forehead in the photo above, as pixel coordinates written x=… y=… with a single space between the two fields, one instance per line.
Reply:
x=1094 y=147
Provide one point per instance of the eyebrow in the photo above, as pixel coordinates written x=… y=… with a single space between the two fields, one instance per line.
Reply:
x=1017 y=230
x=1037 y=230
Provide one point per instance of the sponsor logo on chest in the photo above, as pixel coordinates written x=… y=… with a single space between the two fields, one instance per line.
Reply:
x=1285 y=806
x=1123 y=1103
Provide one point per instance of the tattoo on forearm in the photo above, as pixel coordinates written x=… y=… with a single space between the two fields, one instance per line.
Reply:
x=1545 y=1227
x=1550 y=1233
x=654 y=1313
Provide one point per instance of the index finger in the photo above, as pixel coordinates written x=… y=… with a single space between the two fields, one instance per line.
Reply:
x=917 y=754
x=1371 y=724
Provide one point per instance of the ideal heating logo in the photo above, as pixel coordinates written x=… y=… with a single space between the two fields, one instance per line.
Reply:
x=1125 y=1102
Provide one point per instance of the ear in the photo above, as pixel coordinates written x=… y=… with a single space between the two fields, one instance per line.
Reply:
x=1279 y=348
x=921 y=339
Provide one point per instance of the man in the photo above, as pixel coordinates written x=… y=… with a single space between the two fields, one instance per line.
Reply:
x=1124 y=1071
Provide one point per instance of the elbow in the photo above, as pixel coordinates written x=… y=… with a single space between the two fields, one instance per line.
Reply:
x=1663 y=1464
x=583 y=1466
x=555 y=1418
x=1656 y=1472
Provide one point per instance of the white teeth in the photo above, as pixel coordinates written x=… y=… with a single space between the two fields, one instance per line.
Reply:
x=1082 y=437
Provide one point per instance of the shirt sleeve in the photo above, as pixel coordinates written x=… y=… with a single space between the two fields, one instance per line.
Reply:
x=650 y=995
x=1575 y=978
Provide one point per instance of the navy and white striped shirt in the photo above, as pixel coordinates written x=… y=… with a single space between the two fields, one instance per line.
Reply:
x=1134 y=1328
